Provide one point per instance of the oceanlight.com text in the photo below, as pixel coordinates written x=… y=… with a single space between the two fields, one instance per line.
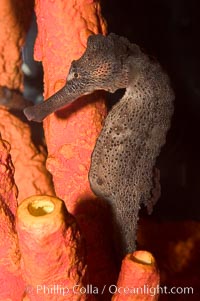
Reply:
x=90 y=289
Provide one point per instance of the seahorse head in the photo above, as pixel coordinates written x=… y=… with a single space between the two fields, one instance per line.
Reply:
x=105 y=65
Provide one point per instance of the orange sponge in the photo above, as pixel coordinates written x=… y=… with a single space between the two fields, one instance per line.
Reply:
x=63 y=28
x=138 y=279
x=11 y=282
x=52 y=250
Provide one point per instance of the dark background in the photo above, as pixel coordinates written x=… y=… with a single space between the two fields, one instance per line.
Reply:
x=169 y=30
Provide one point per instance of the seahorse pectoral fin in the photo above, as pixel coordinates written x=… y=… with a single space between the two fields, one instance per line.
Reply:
x=60 y=99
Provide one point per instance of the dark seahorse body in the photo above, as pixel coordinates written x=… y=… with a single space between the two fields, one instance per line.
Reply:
x=126 y=150
x=134 y=131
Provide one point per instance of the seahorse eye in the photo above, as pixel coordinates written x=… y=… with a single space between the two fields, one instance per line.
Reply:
x=76 y=75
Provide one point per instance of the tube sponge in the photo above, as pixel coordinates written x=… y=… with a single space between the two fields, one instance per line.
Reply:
x=52 y=249
x=138 y=279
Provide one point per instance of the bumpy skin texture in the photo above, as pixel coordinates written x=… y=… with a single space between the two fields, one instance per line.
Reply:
x=131 y=139
x=134 y=130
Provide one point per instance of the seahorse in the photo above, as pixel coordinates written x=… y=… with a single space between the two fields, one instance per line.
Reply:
x=134 y=131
